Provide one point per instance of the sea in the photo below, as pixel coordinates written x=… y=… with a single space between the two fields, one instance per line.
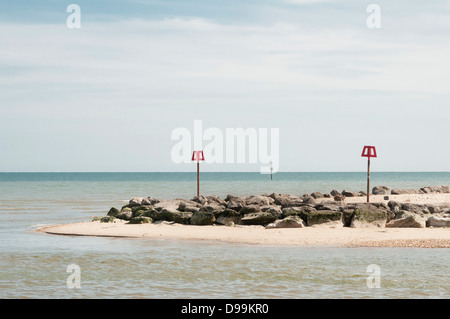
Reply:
x=34 y=265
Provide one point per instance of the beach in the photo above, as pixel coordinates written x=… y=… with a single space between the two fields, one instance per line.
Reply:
x=309 y=236
x=428 y=237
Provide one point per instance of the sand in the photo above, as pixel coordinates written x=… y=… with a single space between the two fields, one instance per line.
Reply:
x=308 y=236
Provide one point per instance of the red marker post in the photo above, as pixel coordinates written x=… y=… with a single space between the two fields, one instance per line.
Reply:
x=368 y=151
x=198 y=156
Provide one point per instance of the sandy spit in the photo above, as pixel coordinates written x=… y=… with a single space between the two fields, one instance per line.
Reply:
x=308 y=236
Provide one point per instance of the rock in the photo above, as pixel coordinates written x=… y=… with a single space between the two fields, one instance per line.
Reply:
x=335 y=192
x=141 y=220
x=135 y=201
x=153 y=214
x=259 y=200
x=317 y=195
x=202 y=200
x=230 y=224
x=349 y=194
x=380 y=190
x=327 y=195
x=215 y=200
x=187 y=207
x=107 y=219
x=235 y=203
x=434 y=209
x=203 y=218
x=286 y=200
x=308 y=200
x=436 y=190
x=407 y=220
x=125 y=214
x=325 y=218
x=339 y=198
x=367 y=215
x=435 y=221
x=249 y=209
x=288 y=222
x=214 y=209
x=301 y=212
x=261 y=218
x=394 y=206
x=397 y=191
x=113 y=212
x=176 y=216
x=150 y=201
x=227 y=216
x=274 y=210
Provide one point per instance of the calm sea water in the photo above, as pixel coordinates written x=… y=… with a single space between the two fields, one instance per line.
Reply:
x=34 y=265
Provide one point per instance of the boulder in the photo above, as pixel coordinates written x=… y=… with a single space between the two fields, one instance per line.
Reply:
x=107 y=219
x=286 y=200
x=339 y=198
x=125 y=214
x=259 y=200
x=153 y=214
x=203 y=218
x=308 y=200
x=250 y=209
x=436 y=190
x=113 y=212
x=397 y=191
x=202 y=200
x=367 y=215
x=301 y=212
x=176 y=216
x=150 y=201
x=141 y=220
x=227 y=216
x=435 y=221
x=188 y=207
x=407 y=220
x=325 y=218
x=349 y=193
x=135 y=201
x=261 y=218
x=380 y=190
x=274 y=210
x=335 y=192
x=288 y=222
x=317 y=195
x=235 y=203
x=215 y=200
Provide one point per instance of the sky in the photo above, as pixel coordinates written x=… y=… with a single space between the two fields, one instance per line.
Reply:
x=109 y=95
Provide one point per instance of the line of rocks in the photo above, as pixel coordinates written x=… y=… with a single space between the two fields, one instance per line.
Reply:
x=278 y=211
